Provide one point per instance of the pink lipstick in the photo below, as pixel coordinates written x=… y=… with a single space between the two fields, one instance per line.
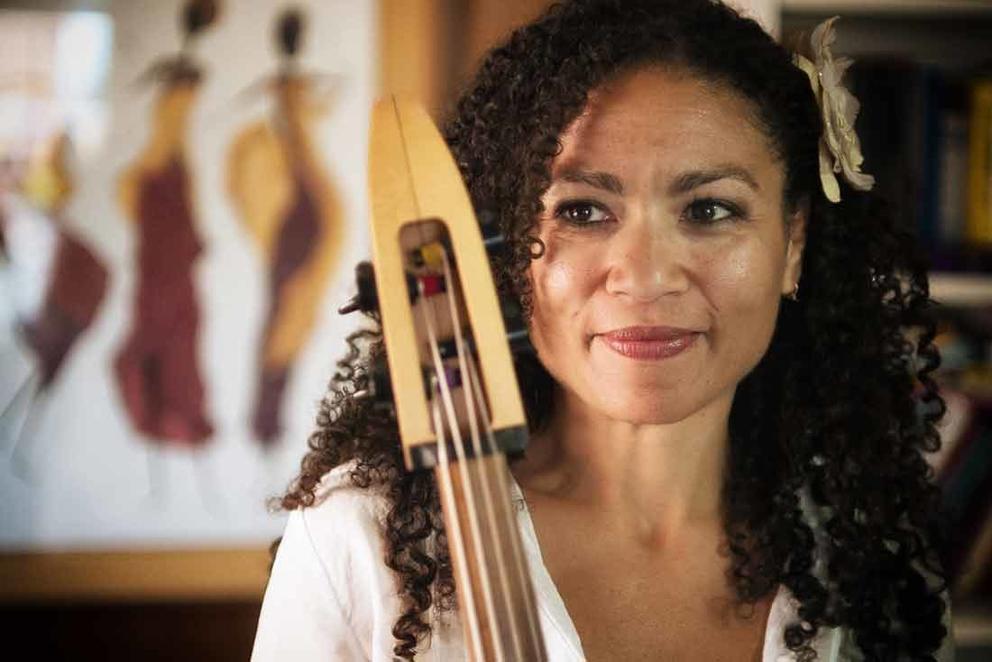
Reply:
x=649 y=343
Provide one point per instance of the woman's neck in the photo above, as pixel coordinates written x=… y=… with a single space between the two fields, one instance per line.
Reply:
x=659 y=478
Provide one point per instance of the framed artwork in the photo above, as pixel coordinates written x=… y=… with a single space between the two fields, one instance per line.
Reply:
x=182 y=203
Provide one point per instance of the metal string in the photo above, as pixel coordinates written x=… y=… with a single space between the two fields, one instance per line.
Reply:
x=533 y=622
x=444 y=469
x=487 y=495
x=473 y=516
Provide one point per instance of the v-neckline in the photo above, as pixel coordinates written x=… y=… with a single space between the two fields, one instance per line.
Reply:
x=781 y=613
x=548 y=597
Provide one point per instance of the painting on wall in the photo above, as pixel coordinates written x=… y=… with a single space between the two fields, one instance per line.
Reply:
x=192 y=217
x=54 y=283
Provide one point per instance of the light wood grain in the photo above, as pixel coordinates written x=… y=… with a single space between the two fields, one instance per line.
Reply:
x=413 y=177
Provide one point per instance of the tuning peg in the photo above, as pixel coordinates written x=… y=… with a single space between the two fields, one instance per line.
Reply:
x=367 y=298
x=380 y=389
x=350 y=306
x=430 y=255
x=429 y=284
x=448 y=349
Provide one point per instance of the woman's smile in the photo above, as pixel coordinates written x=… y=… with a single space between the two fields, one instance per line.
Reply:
x=648 y=343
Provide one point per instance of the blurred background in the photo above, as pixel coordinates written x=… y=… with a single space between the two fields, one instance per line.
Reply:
x=182 y=203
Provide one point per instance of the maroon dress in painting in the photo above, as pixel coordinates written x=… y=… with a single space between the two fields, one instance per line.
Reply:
x=75 y=291
x=157 y=370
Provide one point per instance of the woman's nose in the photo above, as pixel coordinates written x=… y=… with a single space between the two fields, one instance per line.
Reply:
x=646 y=262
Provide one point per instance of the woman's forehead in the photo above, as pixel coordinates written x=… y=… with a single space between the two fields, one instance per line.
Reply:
x=669 y=88
x=667 y=112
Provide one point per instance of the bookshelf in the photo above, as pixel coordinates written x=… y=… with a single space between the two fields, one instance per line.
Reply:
x=894 y=7
x=947 y=39
x=919 y=61
x=961 y=289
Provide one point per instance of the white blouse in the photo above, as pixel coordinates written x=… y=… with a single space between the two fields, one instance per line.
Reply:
x=331 y=597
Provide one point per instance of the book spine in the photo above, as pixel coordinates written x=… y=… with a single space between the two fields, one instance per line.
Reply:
x=953 y=177
x=930 y=161
x=979 y=226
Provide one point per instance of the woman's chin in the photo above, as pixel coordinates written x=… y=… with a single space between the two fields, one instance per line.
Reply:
x=644 y=408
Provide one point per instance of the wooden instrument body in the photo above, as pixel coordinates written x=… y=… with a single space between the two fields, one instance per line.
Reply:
x=419 y=203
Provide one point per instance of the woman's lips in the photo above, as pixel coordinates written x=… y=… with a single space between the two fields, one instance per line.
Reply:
x=649 y=343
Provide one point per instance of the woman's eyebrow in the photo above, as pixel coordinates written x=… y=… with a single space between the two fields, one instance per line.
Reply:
x=695 y=178
x=684 y=183
x=600 y=180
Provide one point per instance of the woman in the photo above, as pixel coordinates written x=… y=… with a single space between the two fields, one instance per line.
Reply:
x=713 y=473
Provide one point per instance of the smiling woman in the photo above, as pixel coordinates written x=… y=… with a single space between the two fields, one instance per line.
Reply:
x=664 y=231
x=718 y=468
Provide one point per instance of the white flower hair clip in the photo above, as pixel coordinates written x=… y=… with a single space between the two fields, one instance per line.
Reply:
x=840 y=149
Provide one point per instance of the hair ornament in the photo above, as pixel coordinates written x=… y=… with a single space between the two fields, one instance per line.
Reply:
x=840 y=149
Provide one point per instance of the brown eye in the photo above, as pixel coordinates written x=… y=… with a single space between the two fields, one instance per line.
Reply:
x=710 y=211
x=581 y=213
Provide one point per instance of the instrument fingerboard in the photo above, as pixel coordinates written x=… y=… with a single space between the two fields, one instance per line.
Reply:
x=504 y=623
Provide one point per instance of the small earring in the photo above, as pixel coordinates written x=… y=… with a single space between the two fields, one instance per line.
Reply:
x=794 y=294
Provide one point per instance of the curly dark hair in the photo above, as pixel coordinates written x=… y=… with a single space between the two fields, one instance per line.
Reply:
x=843 y=403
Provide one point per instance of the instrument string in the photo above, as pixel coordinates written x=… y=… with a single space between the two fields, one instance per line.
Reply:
x=461 y=455
x=516 y=548
x=482 y=458
x=454 y=527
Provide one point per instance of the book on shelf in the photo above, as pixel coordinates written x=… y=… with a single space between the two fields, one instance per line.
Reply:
x=979 y=227
x=926 y=134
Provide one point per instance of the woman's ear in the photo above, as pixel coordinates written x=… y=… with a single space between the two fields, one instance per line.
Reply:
x=795 y=245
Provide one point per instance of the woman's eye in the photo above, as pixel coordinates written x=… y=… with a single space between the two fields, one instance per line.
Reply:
x=708 y=211
x=581 y=213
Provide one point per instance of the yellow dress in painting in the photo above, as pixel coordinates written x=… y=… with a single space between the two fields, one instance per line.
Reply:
x=285 y=199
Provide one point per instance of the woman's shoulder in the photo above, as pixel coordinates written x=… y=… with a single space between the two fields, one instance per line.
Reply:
x=343 y=515
x=330 y=596
x=342 y=532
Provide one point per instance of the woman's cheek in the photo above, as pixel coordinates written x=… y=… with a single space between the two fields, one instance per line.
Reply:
x=559 y=281
x=556 y=301
x=735 y=275
x=745 y=292
x=743 y=276
x=550 y=286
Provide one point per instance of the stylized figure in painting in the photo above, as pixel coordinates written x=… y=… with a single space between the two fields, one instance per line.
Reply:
x=78 y=280
x=284 y=196
x=157 y=369
x=57 y=283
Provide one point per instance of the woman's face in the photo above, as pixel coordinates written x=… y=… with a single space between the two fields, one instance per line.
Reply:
x=665 y=210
